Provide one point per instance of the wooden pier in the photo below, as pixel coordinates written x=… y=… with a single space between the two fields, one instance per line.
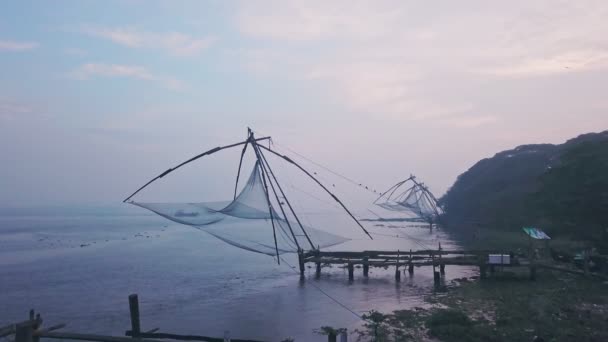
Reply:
x=409 y=260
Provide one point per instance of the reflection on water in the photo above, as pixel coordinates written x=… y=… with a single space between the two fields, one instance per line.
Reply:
x=80 y=270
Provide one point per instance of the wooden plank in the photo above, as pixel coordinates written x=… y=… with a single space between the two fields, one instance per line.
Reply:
x=158 y=335
x=418 y=252
x=395 y=261
x=92 y=337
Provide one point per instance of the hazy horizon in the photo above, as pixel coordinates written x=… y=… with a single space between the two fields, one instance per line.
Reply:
x=98 y=97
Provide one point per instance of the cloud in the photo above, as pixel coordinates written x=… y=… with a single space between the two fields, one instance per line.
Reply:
x=175 y=43
x=11 y=45
x=91 y=70
x=411 y=60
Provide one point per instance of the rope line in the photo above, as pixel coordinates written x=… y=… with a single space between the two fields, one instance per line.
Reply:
x=326 y=294
x=350 y=180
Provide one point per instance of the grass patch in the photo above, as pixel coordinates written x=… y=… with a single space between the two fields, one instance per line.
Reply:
x=508 y=307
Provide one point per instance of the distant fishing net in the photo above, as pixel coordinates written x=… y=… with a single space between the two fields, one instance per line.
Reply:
x=410 y=197
x=246 y=222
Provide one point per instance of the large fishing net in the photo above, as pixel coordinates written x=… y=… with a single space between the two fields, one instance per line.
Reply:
x=410 y=197
x=247 y=221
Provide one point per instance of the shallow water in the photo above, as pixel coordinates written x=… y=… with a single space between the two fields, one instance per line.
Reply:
x=80 y=269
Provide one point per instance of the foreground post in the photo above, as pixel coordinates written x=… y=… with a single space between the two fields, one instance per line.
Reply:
x=134 y=311
x=24 y=332
x=365 y=266
x=318 y=270
x=351 y=271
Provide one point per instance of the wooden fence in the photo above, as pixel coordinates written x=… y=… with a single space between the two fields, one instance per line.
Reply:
x=31 y=330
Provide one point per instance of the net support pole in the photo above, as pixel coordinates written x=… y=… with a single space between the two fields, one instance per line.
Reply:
x=259 y=162
x=320 y=184
x=238 y=172
x=258 y=152
x=206 y=153
x=287 y=200
x=394 y=188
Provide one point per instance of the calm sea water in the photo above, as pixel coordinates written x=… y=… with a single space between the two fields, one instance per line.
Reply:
x=80 y=268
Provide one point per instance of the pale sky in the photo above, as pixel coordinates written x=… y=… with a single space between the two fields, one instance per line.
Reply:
x=96 y=97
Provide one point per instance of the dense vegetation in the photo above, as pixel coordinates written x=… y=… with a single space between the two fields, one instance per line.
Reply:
x=562 y=189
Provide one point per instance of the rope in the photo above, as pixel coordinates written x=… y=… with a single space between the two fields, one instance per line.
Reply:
x=350 y=180
x=326 y=294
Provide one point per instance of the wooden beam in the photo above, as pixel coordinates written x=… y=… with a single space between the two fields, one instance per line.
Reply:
x=92 y=337
x=158 y=335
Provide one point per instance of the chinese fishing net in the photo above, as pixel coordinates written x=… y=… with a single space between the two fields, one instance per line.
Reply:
x=247 y=221
x=416 y=200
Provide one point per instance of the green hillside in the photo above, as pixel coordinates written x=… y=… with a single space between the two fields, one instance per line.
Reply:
x=560 y=188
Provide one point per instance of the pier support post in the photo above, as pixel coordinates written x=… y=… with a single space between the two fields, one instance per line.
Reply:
x=134 y=311
x=344 y=336
x=436 y=275
x=436 y=278
x=351 y=271
x=410 y=267
x=441 y=264
x=301 y=263
x=397 y=272
x=365 y=266
x=532 y=272
x=482 y=270
x=318 y=270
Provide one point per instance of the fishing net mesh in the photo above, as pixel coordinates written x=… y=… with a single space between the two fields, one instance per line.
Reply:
x=415 y=200
x=246 y=222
